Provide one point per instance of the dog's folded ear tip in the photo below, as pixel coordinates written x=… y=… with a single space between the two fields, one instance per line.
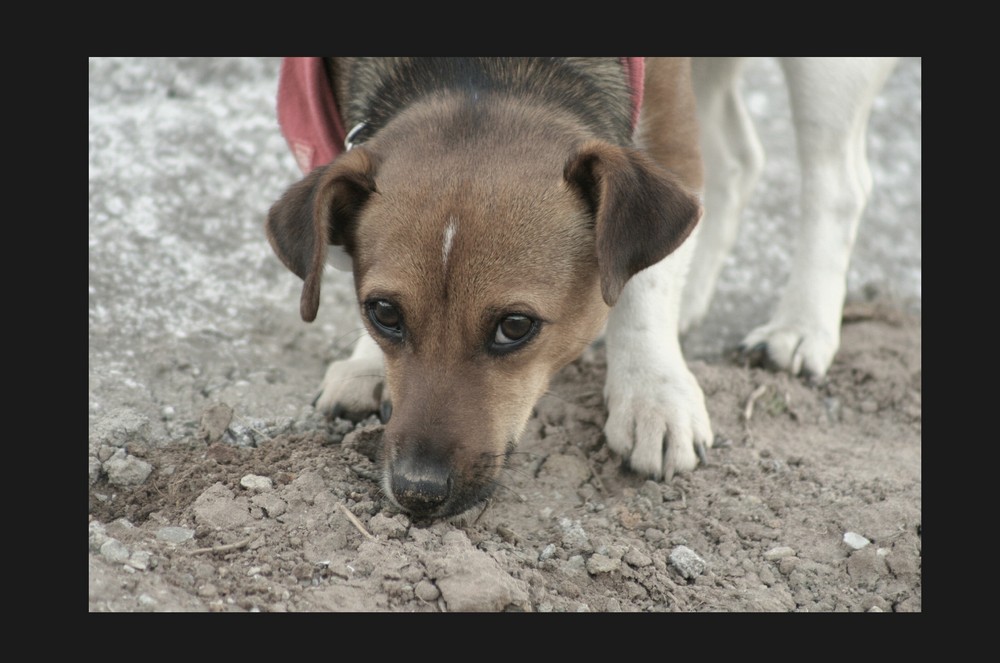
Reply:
x=308 y=306
x=612 y=285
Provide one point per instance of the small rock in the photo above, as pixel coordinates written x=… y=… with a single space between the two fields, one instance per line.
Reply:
x=787 y=564
x=124 y=470
x=636 y=558
x=172 y=534
x=574 y=537
x=114 y=551
x=687 y=562
x=855 y=540
x=778 y=553
x=246 y=436
x=766 y=575
x=547 y=552
x=602 y=564
x=97 y=536
x=119 y=427
x=139 y=560
x=214 y=422
x=427 y=591
x=256 y=483
x=208 y=591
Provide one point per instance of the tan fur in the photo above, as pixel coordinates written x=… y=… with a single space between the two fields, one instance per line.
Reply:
x=546 y=221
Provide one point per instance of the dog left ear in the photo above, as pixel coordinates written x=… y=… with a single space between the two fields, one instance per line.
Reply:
x=320 y=210
x=642 y=213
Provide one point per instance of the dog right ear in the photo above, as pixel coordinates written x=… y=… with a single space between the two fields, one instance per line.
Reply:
x=319 y=210
x=642 y=213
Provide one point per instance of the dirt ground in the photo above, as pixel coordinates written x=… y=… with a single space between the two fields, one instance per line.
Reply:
x=798 y=475
x=214 y=486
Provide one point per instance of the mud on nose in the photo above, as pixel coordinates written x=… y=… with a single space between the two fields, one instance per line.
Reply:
x=419 y=485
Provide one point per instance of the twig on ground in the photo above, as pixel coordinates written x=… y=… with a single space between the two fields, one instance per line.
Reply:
x=354 y=521
x=748 y=410
x=597 y=477
x=224 y=548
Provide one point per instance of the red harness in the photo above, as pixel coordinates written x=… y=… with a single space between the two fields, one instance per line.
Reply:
x=307 y=112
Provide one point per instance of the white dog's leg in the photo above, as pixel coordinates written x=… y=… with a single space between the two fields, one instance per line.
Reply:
x=353 y=387
x=734 y=160
x=656 y=410
x=830 y=99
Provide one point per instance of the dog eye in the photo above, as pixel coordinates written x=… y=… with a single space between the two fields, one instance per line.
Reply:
x=512 y=331
x=386 y=317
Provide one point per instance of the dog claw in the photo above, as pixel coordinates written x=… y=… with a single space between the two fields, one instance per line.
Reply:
x=385 y=412
x=755 y=355
x=699 y=448
x=669 y=468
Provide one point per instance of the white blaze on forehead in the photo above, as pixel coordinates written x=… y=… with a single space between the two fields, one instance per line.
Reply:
x=449 y=236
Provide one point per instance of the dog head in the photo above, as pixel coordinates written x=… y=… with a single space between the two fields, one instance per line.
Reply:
x=482 y=266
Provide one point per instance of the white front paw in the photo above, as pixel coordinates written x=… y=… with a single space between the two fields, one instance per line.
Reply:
x=352 y=388
x=657 y=421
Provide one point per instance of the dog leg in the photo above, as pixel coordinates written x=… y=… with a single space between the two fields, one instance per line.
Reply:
x=734 y=160
x=657 y=418
x=353 y=388
x=831 y=99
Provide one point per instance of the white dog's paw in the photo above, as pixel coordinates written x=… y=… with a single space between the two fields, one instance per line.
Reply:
x=657 y=421
x=352 y=389
x=795 y=348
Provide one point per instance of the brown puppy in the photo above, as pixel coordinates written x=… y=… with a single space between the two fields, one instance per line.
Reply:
x=493 y=209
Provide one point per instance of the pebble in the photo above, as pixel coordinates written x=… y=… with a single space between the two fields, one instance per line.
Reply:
x=125 y=470
x=787 y=564
x=208 y=591
x=598 y=563
x=427 y=591
x=855 y=540
x=97 y=536
x=172 y=534
x=547 y=552
x=637 y=558
x=256 y=483
x=574 y=537
x=139 y=560
x=778 y=553
x=114 y=551
x=214 y=422
x=687 y=562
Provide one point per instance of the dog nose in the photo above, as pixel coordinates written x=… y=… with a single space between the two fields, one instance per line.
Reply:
x=420 y=486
